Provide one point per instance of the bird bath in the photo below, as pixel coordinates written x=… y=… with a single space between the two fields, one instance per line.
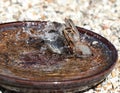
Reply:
x=34 y=58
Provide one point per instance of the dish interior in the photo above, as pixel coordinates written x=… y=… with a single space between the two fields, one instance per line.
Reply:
x=25 y=55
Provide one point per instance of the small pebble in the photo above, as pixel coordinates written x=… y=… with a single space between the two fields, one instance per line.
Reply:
x=94 y=42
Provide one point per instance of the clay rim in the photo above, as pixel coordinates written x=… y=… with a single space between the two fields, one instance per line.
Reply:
x=103 y=74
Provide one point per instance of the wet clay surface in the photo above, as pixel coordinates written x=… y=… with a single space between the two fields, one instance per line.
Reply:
x=24 y=55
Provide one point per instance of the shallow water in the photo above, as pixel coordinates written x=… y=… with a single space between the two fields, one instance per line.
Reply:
x=25 y=54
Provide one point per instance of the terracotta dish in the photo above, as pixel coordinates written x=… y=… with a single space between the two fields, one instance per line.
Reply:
x=34 y=58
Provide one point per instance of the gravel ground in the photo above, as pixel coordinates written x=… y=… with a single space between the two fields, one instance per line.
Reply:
x=100 y=16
